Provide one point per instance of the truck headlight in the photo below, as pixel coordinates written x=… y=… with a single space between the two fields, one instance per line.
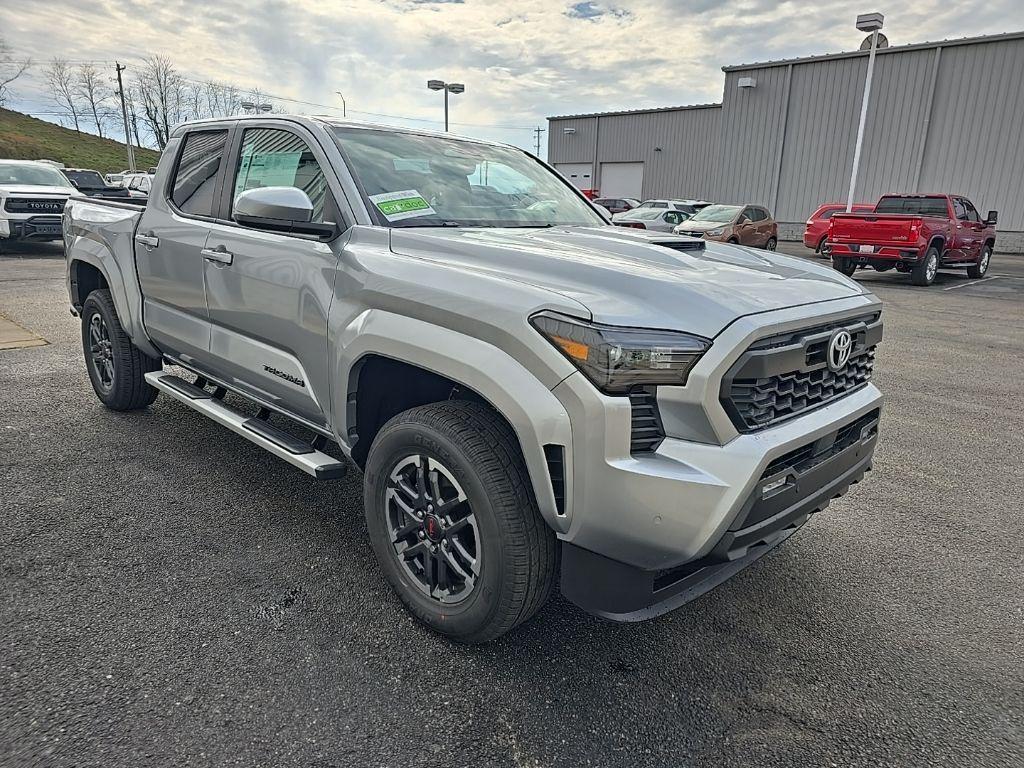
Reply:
x=616 y=359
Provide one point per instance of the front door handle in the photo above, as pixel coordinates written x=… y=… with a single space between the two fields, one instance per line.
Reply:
x=218 y=255
x=150 y=241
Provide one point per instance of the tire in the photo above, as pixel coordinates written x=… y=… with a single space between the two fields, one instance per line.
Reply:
x=822 y=250
x=984 y=259
x=500 y=540
x=846 y=266
x=771 y=244
x=923 y=274
x=116 y=367
x=733 y=241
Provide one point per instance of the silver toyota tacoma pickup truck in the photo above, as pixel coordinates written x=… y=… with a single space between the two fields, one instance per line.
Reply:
x=536 y=399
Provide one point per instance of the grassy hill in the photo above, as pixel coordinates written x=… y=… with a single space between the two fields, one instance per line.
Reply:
x=26 y=138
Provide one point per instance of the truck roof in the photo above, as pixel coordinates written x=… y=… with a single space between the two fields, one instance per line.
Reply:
x=310 y=120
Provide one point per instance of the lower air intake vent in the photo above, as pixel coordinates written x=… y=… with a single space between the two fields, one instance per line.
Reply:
x=646 y=432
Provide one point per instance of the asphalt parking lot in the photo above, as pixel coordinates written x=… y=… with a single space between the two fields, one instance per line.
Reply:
x=171 y=595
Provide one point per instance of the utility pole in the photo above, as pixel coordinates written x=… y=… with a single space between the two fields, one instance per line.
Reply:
x=124 y=116
x=344 y=108
x=538 y=131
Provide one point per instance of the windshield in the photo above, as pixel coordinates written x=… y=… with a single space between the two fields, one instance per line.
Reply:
x=717 y=213
x=411 y=180
x=38 y=175
x=915 y=206
x=86 y=178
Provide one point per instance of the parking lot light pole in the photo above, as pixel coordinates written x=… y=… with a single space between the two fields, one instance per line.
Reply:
x=441 y=85
x=866 y=22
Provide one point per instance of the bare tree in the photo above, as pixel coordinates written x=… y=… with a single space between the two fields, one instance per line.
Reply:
x=160 y=91
x=222 y=99
x=11 y=69
x=61 y=80
x=96 y=95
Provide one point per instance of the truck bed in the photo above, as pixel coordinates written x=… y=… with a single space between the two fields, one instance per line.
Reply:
x=100 y=234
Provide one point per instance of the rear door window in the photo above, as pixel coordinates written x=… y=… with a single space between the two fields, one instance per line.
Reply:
x=274 y=158
x=195 y=177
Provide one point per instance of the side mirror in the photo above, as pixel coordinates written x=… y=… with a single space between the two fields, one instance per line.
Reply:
x=279 y=209
x=992 y=218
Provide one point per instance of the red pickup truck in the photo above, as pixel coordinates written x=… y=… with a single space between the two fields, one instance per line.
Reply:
x=916 y=234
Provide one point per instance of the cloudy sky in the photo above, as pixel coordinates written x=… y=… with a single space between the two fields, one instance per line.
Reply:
x=521 y=61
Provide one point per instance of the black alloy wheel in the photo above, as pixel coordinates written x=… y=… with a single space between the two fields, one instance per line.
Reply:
x=434 y=532
x=101 y=353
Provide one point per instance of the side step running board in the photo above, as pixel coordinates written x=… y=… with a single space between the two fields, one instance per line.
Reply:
x=259 y=431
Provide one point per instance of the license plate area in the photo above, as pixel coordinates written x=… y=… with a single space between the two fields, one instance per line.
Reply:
x=865 y=249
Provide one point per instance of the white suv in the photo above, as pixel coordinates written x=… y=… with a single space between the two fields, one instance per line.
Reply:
x=32 y=198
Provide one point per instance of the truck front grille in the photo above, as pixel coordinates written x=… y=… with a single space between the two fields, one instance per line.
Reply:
x=786 y=375
x=28 y=205
x=646 y=432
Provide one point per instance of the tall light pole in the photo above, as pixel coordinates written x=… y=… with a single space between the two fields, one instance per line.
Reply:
x=344 y=108
x=441 y=85
x=251 y=107
x=866 y=22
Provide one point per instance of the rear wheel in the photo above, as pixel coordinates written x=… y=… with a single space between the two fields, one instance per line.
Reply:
x=978 y=270
x=116 y=367
x=453 y=521
x=924 y=273
x=771 y=244
x=844 y=265
x=823 y=248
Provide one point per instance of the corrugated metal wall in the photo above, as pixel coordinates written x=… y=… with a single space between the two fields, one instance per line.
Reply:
x=942 y=118
x=679 y=148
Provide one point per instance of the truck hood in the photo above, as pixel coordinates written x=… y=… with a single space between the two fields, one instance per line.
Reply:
x=624 y=277
x=7 y=190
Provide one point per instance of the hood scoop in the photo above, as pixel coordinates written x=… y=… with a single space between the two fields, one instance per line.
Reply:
x=690 y=245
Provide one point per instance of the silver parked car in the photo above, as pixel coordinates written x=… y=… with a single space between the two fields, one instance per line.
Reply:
x=537 y=400
x=689 y=207
x=658 y=219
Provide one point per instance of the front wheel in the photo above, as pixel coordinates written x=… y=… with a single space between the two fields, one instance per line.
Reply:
x=116 y=367
x=978 y=270
x=846 y=266
x=453 y=521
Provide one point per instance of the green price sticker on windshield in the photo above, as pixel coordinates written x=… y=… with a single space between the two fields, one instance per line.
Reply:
x=402 y=205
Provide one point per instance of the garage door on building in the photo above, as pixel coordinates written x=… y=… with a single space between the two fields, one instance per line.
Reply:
x=580 y=174
x=622 y=180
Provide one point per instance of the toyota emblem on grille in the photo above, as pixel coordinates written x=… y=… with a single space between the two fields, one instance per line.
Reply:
x=839 y=348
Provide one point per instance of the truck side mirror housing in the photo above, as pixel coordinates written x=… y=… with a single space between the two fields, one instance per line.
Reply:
x=279 y=209
x=992 y=218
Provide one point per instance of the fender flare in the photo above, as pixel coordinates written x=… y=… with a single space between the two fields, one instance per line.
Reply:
x=124 y=290
x=536 y=415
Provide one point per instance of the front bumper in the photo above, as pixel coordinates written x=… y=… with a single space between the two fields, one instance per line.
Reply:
x=34 y=228
x=689 y=499
x=789 y=491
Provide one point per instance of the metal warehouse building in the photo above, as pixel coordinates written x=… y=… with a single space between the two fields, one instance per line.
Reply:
x=943 y=117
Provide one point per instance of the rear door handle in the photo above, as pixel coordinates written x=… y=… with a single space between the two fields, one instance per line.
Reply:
x=150 y=241
x=218 y=255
